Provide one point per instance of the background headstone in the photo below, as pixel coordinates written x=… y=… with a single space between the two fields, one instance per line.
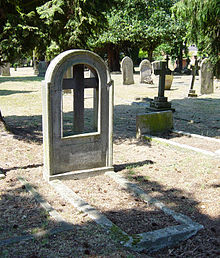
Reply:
x=145 y=72
x=5 y=70
x=155 y=66
x=42 y=67
x=127 y=70
x=206 y=77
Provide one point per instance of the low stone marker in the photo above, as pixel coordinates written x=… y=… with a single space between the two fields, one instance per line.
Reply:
x=5 y=70
x=206 y=77
x=154 y=123
x=80 y=154
x=127 y=71
x=145 y=72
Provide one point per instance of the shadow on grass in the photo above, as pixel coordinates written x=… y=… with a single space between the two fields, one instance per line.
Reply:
x=21 y=215
x=23 y=167
x=199 y=116
x=20 y=79
x=121 y=167
x=10 y=92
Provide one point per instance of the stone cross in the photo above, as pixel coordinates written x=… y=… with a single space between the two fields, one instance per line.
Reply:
x=160 y=102
x=79 y=83
x=194 y=67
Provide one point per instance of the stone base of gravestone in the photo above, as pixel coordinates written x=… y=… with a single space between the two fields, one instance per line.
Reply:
x=192 y=93
x=160 y=103
x=154 y=123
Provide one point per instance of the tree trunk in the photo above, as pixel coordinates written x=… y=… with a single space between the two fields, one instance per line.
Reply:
x=113 y=58
x=180 y=57
x=150 y=54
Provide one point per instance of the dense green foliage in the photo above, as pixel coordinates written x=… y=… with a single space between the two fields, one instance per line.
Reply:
x=46 y=26
x=203 y=24
x=135 y=24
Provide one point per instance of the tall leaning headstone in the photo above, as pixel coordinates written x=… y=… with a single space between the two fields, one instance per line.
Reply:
x=127 y=71
x=145 y=72
x=206 y=77
x=81 y=153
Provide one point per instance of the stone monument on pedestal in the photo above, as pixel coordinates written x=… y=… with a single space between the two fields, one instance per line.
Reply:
x=160 y=102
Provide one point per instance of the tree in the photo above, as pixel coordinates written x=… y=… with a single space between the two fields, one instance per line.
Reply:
x=39 y=25
x=203 y=25
x=133 y=24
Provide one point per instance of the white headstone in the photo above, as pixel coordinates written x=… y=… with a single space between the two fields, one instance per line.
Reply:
x=127 y=70
x=146 y=72
x=206 y=77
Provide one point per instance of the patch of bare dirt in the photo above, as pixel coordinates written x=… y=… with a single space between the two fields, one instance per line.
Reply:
x=128 y=212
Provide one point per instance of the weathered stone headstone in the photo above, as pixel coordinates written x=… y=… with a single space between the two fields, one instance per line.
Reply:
x=145 y=72
x=155 y=65
x=5 y=70
x=81 y=153
x=206 y=77
x=127 y=71
x=160 y=102
x=42 y=67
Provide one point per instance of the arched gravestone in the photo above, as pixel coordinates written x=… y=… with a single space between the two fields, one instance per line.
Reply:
x=75 y=150
x=145 y=72
x=206 y=77
x=127 y=70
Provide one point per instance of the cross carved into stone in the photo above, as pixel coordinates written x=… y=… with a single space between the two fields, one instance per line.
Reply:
x=79 y=83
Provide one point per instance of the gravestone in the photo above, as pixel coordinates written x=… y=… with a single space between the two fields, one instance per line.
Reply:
x=206 y=77
x=194 y=67
x=160 y=102
x=80 y=153
x=155 y=65
x=42 y=67
x=5 y=70
x=127 y=71
x=145 y=72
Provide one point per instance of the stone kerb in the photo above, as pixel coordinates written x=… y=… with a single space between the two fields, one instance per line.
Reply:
x=127 y=70
x=206 y=77
x=146 y=72
x=80 y=153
